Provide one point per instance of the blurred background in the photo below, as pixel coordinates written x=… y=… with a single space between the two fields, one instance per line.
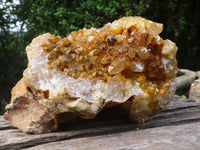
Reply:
x=22 y=20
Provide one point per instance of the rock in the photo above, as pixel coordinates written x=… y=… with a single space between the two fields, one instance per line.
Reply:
x=198 y=74
x=125 y=62
x=195 y=90
x=26 y=113
x=184 y=80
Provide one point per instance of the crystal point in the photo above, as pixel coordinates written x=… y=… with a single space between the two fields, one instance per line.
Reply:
x=125 y=62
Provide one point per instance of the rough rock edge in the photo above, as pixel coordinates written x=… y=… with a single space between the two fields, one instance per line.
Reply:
x=46 y=121
x=194 y=90
x=26 y=113
x=185 y=79
x=20 y=112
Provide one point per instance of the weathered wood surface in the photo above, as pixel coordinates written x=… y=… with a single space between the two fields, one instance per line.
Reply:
x=175 y=127
x=162 y=138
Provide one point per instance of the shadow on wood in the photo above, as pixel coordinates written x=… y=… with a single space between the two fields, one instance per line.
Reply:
x=181 y=116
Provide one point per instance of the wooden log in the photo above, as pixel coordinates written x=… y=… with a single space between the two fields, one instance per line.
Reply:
x=111 y=127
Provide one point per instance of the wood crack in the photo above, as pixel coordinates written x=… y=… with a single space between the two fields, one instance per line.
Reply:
x=108 y=123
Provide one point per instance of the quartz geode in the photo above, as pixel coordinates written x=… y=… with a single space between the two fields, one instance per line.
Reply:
x=125 y=62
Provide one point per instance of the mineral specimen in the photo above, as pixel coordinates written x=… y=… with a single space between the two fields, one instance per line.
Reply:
x=125 y=62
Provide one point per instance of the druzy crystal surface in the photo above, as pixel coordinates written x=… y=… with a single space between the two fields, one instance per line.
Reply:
x=125 y=62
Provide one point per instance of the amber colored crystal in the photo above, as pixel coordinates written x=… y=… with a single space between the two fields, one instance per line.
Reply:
x=129 y=48
x=125 y=62
x=85 y=51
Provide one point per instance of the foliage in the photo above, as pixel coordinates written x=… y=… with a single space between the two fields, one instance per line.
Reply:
x=12 y=59
x=183 y=96
x=180 y=18
x=63 y=17
x=181 y=24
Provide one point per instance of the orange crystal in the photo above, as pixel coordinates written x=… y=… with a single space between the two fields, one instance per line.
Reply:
x=129 y=49
x=125 y=62
x=126 y=46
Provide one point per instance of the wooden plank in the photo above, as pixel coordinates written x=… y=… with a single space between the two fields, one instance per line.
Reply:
x=178 y=137
x=179 y=111
x=5 y=124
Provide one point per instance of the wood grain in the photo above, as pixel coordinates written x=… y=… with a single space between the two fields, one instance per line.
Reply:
x=178 y=122
x=181 y=137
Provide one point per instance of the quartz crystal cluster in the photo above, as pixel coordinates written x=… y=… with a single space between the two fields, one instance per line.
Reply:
x=125 y=62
